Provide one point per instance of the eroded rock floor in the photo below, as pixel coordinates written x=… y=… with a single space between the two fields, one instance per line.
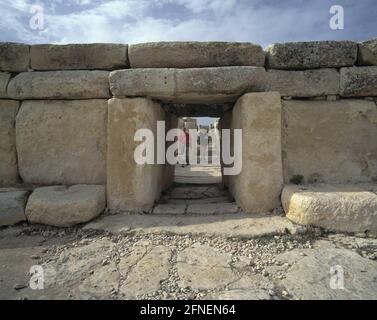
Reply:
x=94 y=264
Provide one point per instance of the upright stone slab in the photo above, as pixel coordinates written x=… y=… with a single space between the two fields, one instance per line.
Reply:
x=62 y=142
x=195 y=54
x=330 y=142
x=305 y=83
x=358 y=81
x=198 y=85
x=367 y=55
x=14 y=57
x=257 y=188
x=130 y=186
x=4 y=80
x=91 y=56
x=12 y=207
x=8 y=156
x=60 y=85
x=311 y=55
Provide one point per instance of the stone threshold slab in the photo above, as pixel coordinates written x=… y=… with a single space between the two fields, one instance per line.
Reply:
x=239 y=225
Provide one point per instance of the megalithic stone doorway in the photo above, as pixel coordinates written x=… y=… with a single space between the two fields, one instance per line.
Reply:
x=256 y=189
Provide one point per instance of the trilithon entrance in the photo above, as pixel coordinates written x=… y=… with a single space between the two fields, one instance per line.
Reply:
x=202 y=188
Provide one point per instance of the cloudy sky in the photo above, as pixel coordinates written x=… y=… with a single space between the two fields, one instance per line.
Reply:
x=133 y=21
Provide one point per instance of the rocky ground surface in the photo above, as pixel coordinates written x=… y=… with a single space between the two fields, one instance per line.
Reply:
x=92 y=264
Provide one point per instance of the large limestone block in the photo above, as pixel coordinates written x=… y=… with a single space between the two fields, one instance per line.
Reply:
x=97 y=56
x=60 y=85
x=331 y=142
x=348 y=208
x=131 y=186
x=62 y=142
x=63 y=206
x=367 y=55
x=306 y=83
x=8 y=156
x=198 y=85
x=4 y=80
x=358 y=81
x=257 y=188
x=195 y=54
x=311 y=55
x=14 y=57
x=12 y=207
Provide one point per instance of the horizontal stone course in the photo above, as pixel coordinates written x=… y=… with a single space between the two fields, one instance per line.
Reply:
x=93 y=56
x=195 y=54
x=62 y=142
x=305 y=83
x=198 y=85
x=4 y=80
x=65 y=206
x=8 y=156
x=14 y=57
x=358 y=81
x=311 y=55
x=367 y=55
x=60 y=85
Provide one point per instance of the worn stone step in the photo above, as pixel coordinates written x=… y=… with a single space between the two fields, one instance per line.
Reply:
x=169 y=208
x=224 y=199
x=213 y=208
x=347 y=208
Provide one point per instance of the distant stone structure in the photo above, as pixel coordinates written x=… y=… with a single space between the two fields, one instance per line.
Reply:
x=68 y=114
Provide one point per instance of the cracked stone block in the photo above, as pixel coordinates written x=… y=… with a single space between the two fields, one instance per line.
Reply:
x=198 y=85
x=12 y=207
x=14 y=57
x=346 y=208
x=195 y=54
x=89 y=56
x=60 y=85
x=358 y=81
x=212 y=208
x=63 y=206
x=311 y=55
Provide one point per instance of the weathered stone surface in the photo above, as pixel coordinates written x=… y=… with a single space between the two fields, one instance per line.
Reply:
x=330 y=141
x=12 y=207
x=4 y=80
x=307 y=83
x=14 y=57
x=198 y=85
x=8 y=156
x=310 y=275
x=62 y=142
x=349 y=208
x=203 y=267
x=212 y=208
x=367 y=54
x=195 y=54
x=92 y=56
x=60 y=85
x=146 y=275
x=131 y=186
x=311 y=55
x=169 y=209
x=257 y=188
x=358 y=81
x=65 y=206
x=237 y=225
